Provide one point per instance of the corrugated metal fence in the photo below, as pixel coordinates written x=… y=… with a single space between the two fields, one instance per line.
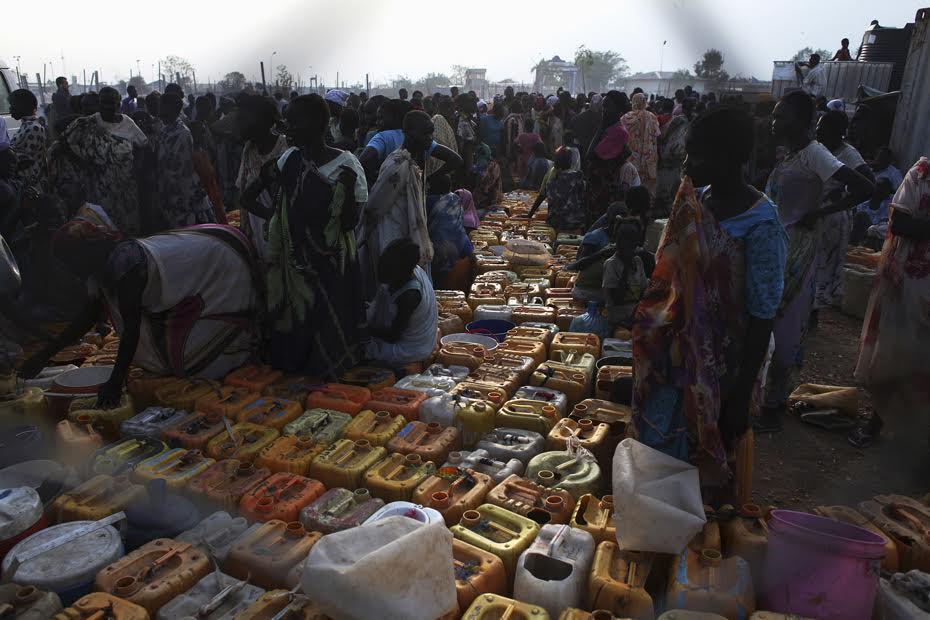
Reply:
x=910 y=136
x=843 y=78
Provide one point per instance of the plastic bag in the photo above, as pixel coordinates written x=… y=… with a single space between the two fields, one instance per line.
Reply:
x=592 y=322
x=526 y=253
x=393 y=569
x=657 y=499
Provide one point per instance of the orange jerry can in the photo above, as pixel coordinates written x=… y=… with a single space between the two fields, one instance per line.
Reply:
x=596 y=517
x=854 y=517
x=499 y=531
x=293 y=387
x=142 y=385
x=520 y=364
x=453 y=490
x=281 y=496
x=593 y=436
x=346 y=398
x=293 y=606
x=535 y=350
x=397 y=402
x=559 y=292
x=267 y=552
x=271 y=411
x=248 y=441
x=530 y=415
x=253 y=378
x=495 y=607
x=458 y=307
x=499 y=377
x=486 y=288
x=395 y=478
x=77 y=440
x=177 y=467
x=184 y=393
x=100 y=606
x=343 y=463
x=369 y=377
x=155 y=573
x=906 y=522
x=290 y=453
x=606 y=375
x=618 y=582
x=617 y=417
x=462 y=354
x=443 y=296
x=226 y=482
x=477 y=572
x=430 y=441
x=450 y=324
x=533 y=313
x=570 y=380
x=99 y=497
x=468 y=391
x=227 y=400
x=745 y=533
x=534 y=501
x=195 y=431
x=571 y=342
x=533 y=334
x=375 y=427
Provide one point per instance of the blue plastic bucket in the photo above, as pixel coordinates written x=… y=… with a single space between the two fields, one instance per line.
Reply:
x=495 y=328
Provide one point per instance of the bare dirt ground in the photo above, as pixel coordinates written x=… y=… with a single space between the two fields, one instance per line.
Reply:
x=804 y=466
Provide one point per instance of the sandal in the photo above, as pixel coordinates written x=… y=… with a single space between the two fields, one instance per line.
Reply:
x=864 y=436
x=769 y=421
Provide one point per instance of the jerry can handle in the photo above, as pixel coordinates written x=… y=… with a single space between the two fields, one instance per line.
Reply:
x=557 y=539
x=18 y=559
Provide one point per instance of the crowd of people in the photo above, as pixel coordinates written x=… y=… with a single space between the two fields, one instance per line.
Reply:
x=353 y=210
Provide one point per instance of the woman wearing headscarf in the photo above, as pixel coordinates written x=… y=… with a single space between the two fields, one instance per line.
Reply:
x=443 y=134
x=563 y=189
x=315 y=305
x=671 y=155
x=452 y=249
x=609 y=173
x=643 y=128
x=796 y=186
x=172 y=319
x=703 y=327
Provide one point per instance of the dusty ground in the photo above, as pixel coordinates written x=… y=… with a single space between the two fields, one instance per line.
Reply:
x=803 y=466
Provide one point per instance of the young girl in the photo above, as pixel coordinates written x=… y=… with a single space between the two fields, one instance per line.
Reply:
x=404 y=317
x=624 y=278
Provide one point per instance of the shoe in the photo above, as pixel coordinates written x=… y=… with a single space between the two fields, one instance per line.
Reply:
x=866 y=434
x=769 y=421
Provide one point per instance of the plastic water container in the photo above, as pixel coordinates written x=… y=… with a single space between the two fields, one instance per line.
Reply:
x=68 y=569
x=487 y=297
x=293 y=387
x=596 y=516
x=27 y=602
x=290 y=453
x=477 y=572
x=534 y=501
x=272 y=604
x=152 y=422
x=195 y=431
x=346 y=398
x=494 y=312
x=250 y=440
x=321 y=425
x=553 y=572
x=545 y=395
x=450 y=323
x=77 y=441
x=215 y=534
x=339 y=509
x=497 y=531
x=269 y=551
x=271 y=411
x=254 y=378
x=429 y=384
x=122 y=456
x=224 y=483
x=561 y=470
x=617 y=417
x=570 y=342
x=570 y=380
x=395 y=478
x=496 y=377
x=406 y=509
x=858 y=283
x=506 y=443
x=452 y=491
x=180 y=566
x=455 y=372
x=495 y=607
x=375 y=427
x=107 y=421
x=702 y=580
x=533 y=334
x=344 y=463
x=184 y=393
x=431 y=442
x=103 y=605
x=853 y=517
x=46 y=377
x=397 y=402
x=468 y=355
x=590 y=435
x=223 y=595
x=905 y=521
x=618 y=582
x=819 y=567
x=531 y=415
x=459 y=308
x=158 y=515
x=607 y=374
x=142 y=386
x=281 y=496
x=894 y=603
x=745 y=534
x=177 y=467
x=227 y=400
x=481 y=461
x=472 y=391
x=99 y=497
x=22 y=516
x=369 y=377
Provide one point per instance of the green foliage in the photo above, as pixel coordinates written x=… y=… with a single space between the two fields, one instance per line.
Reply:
x=598 y=70
x=234 y=80
x=283 y=78
x=804 y=54
x=711 y=66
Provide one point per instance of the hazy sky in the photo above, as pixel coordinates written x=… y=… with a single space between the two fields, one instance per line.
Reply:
x=386 y=38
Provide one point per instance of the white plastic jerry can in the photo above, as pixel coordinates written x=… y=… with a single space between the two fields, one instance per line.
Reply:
x=504 y=444
x=553 y=572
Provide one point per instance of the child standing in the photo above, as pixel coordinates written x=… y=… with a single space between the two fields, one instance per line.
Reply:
x=624 y=275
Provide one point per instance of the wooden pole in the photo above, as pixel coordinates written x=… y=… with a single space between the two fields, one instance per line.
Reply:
x=264 y=86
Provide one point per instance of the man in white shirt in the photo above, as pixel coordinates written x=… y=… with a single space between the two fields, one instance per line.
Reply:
x=814 y=82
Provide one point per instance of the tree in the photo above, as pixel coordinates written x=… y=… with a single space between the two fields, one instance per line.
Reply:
x=599 y=69
x=683 y=74
x=234 y=80
x=431 y=83
x=804 y=54
x=283 y=78
x=402 y=81
x=139 y=82
x=458 y=74
x=172 y=65
x=711 y=66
